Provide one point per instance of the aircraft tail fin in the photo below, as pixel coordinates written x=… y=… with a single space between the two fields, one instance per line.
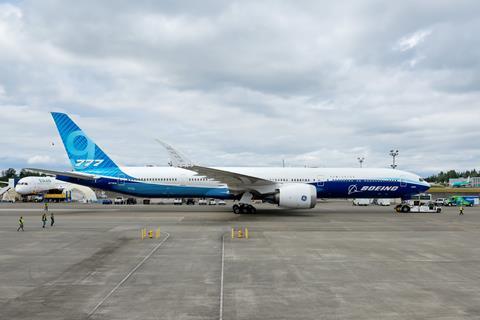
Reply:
x=85 y=156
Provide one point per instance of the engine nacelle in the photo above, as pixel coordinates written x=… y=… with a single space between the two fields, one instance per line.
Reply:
x=296 y=196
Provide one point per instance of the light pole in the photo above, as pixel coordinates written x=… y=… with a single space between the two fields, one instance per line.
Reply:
x=360 y=160
x=393 y=153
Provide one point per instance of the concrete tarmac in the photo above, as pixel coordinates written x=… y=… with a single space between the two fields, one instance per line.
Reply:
x=333 y=262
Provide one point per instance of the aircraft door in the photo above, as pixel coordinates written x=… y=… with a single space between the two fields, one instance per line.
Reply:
x=403 y=183
x=320 y=181
x=121 y=179
x=182 y=180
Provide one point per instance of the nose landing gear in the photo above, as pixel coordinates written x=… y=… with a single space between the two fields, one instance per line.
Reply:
x=243 y=208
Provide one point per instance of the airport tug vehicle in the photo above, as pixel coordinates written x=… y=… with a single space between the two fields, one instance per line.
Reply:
x=418 y=206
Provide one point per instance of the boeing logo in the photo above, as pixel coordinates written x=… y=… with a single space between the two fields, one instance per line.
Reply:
x=354 y=189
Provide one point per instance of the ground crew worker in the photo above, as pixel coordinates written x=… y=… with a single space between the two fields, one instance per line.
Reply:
x=52 y=219
x=44 y=220
x=46 y=207
x=20 y=224
x=461 y=211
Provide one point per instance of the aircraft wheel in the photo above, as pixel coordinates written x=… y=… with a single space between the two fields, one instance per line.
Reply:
x=248 y=208
x=236 y=209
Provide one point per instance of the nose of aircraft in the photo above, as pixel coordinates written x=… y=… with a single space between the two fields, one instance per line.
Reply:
x=19 y=189
x=22 y=187
x=424 y=185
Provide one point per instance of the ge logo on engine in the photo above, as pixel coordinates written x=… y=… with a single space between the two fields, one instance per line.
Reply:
x=304 y=198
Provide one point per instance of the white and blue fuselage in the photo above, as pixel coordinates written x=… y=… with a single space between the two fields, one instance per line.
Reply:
x=171 y=182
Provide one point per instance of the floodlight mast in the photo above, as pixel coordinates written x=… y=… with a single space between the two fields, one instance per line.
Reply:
x=361 y=160
x=394 y=154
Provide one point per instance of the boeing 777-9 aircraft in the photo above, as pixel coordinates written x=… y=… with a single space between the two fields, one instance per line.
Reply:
x=296 y=188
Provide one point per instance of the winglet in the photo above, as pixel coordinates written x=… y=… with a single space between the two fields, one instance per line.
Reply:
x=176 y=158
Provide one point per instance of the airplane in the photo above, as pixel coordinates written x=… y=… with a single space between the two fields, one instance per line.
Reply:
x=35 y=185
x=294 y=188
x=462 y=184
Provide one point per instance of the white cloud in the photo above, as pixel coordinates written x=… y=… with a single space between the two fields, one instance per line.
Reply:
x=2 y=93
x=39 y=159
x=411 y=41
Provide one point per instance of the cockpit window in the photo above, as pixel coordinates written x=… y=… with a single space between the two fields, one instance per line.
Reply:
x=421 y=179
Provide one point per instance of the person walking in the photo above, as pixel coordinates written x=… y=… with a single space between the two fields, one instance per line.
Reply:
x=44 y=220
x=45 y=208
x=20 y=224
x=52 y=220
x=461 y=211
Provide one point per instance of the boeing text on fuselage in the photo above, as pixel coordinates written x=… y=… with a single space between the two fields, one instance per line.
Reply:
x=354 y=188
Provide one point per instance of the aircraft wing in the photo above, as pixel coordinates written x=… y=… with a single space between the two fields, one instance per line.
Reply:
x=234 y=180
x=72 y=174
x=237 y=180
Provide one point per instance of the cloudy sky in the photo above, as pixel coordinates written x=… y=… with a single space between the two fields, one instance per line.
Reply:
x=316 y=83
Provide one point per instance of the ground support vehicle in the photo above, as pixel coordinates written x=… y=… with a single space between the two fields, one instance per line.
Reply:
x=418 y=206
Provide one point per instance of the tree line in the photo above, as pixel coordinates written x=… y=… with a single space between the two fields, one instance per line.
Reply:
x=12 y=173
x=443 y=177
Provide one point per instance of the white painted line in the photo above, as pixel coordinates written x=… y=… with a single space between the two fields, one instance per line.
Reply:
x=221 y=278
x=128 y=275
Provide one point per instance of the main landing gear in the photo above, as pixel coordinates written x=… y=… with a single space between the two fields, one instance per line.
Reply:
x=243 y=208
x=244 y=205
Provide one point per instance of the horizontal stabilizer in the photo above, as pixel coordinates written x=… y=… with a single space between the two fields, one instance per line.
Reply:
x=71 y=174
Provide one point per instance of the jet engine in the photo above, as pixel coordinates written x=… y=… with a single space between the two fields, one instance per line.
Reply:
x=296 y=196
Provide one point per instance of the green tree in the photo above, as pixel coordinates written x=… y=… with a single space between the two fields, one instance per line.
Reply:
x=9 y=173
x=12 y=173
x=26 y=173
x=444 y=177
